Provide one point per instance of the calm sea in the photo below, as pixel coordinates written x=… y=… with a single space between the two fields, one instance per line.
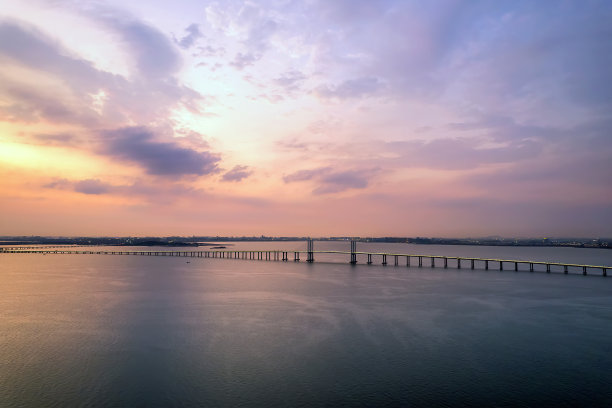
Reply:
x=138 y=331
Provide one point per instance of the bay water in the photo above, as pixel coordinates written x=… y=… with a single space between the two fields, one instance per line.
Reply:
x=140 y=331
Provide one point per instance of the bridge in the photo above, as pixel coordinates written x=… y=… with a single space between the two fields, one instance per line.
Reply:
x=384 y=258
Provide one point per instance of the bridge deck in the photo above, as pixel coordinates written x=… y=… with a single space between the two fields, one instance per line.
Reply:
x=283 y=255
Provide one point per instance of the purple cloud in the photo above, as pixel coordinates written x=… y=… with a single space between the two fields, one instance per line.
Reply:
x=330 y=181
x=152 y=50
x=137 y=145
x=138 y=100
x=242 y=61
x=341 y=181
x=290 y=80
x=456 y=153
x=238 y=173
x=87 y=186
x=91 y=186
x=210 y=51
x=352 y=88
x=193 y=34
x=304 y=175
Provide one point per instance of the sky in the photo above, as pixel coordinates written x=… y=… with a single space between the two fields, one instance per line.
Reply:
x=306 y=118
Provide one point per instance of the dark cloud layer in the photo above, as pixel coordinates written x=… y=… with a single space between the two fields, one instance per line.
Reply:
x=138 y=145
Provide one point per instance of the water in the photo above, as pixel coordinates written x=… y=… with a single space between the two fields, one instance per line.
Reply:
x=106 y=331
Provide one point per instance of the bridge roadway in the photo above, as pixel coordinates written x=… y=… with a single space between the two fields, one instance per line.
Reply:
x=279 y=255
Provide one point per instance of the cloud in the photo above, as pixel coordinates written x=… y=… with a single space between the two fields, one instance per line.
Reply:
x=210 y=51
x=29 y=46
x=70 y=96
x=331 y=181
x=304 y=175
x=459 y=154
x=58 y=184
x=60 y=139
x=341 y=181
x=91 y=186
x=30 y=104
x=138 y=145
x=352 y=88
x=290 y=81
x=154 y=55
x=193 y=34
x=87 y=186
x=242 y=61
x=238 y=173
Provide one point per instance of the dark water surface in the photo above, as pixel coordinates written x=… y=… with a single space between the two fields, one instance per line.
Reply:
x=130 y=331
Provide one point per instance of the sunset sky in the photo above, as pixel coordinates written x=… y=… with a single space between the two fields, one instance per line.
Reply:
x=313 y=117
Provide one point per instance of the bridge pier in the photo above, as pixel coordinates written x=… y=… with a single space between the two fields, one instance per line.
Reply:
x=445 y=263
x=310 y=249
x=353 y=250
x=420 y=261
x=433 y=262
x=384 y=260
x=369 y=259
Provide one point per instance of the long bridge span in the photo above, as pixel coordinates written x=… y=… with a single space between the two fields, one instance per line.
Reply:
x=370 y=257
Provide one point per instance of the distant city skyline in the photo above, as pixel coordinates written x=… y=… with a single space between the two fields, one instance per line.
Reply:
x=306 y=118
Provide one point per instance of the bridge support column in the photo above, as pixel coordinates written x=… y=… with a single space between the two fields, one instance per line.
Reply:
x=501 y=265
x=310 y=249
x=433 y=262
x=516 y=266
x=353 y=250
x=384 y=261
x=547 y=268
x=486 y=265
x=420 y=261
x=369 y=259
x=445 y=263
x=458 y=263
x=396 y=260
x=408 y=260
